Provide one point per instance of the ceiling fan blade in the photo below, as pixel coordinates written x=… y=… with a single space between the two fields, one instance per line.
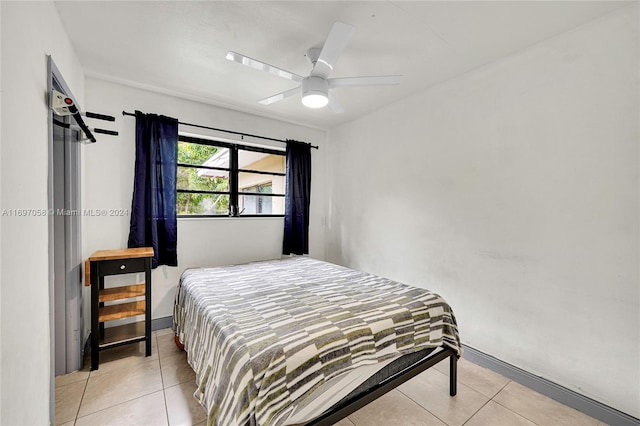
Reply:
x=333 y=47
x=380 y=80
x=254 y=63
x=280 y=96
x=334 y=105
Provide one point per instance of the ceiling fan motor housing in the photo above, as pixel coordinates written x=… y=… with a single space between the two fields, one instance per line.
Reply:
x=314 y=85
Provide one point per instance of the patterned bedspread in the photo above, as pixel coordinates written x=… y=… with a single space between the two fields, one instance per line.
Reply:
x=262 y=336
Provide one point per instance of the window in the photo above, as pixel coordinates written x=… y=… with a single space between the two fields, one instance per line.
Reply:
x=221 y=179
x=256 y=205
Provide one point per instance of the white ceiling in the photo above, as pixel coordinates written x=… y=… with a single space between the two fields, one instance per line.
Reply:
x=179 y=47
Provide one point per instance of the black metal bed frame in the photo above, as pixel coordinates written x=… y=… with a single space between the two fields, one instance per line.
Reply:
x=351 y=405
x=345 y=408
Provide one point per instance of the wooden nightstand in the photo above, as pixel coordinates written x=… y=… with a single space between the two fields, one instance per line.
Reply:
x=115 y=262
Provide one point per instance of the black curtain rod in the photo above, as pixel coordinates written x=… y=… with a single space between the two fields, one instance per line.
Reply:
x=227 y=131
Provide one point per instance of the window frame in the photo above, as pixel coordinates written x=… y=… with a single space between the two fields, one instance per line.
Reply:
x=257 y=195
x=234 y=172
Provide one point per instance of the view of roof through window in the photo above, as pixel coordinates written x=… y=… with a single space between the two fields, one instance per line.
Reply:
x=206 y=190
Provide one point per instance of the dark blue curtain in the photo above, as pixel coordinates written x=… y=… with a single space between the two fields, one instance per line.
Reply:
x=153 y=209
x=298 y=195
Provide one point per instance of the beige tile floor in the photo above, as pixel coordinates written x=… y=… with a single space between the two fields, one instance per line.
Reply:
x=131 y=389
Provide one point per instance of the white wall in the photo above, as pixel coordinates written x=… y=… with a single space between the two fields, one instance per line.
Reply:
x=29 y=31
x=512 y=191
x=108 y=184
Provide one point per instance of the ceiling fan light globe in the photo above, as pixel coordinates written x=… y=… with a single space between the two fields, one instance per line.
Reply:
x=315 y=100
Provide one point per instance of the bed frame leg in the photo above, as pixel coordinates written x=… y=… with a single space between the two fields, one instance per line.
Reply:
x=176 y=339
x=453 y=375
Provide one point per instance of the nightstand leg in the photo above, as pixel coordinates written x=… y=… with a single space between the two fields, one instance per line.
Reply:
x=95 y=331
x=147 y=311
x=100 y=305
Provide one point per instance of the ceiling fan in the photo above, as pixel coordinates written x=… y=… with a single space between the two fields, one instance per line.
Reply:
x=315 y=88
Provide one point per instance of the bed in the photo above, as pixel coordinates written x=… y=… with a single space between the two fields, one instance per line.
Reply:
x=301 y=341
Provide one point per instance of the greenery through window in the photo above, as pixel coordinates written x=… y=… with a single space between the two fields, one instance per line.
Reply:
x=221 y=179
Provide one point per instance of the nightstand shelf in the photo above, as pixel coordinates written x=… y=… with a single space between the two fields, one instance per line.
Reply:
x=123 y=335
x=124 y=292
x=121 y=310
x=121 y=302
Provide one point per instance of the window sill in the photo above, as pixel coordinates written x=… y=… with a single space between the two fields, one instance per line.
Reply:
x=229 y=217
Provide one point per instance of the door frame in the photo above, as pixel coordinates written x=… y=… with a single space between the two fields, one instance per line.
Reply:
x=55 y=79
